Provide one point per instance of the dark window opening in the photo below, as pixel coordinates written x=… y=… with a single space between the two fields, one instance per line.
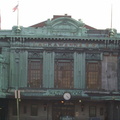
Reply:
x=92 y=111
x=35 y=73
x=14 y=110
x=24 y=109
x=93 y=75
x=101 y=111
x=0 y=50
x=64 y=74
x=34 y=110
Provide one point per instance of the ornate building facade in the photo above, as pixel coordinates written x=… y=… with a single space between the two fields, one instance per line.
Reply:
x=59 y=69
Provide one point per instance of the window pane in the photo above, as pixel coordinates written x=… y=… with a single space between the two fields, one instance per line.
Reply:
x=0 y=50
x=24 y=109
x=92 y=111
x=93 y=75
x=34 y=110
x=14 y=109
x=64 y=74
x=35 y=74
x=101 y=111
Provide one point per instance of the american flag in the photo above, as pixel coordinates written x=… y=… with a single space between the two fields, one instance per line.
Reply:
x=15 y=8
x=0 y=19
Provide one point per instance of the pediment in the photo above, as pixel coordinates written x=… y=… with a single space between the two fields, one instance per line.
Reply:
x=65 y=26
x=64 y=21
x=62 y=26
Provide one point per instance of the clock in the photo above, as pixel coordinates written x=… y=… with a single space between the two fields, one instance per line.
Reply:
x=67 y=96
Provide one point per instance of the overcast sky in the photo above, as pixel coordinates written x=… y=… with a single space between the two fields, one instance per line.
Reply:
x=96 y=13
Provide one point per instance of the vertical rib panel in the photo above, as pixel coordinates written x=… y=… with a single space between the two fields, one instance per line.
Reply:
x=23 y=69
x=48 y=69
x=79 y=70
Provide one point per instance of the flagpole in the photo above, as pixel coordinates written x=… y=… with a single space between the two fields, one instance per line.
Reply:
x=111 y=15
x=0 y=19
x=18 y=16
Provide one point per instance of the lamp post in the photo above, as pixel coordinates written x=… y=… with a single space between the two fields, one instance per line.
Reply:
x=17 y=96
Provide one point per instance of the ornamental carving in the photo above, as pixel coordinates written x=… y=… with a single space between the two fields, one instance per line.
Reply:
x=1 y=58
x=67 y=26
x=93 y=56
x=64 y=55
x=35 y=55
x=62 y=26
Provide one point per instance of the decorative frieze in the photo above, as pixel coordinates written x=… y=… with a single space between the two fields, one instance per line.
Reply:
x=66 y=44
x=93 y=56
x=64 y=55
x=52 y=92
x=35 y=55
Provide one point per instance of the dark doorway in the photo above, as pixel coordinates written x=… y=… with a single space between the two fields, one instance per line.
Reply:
x=3 y=109
x=1 y=113
x=62 y=109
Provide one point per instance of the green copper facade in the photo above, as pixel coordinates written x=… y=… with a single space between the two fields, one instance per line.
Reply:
x=64 y=39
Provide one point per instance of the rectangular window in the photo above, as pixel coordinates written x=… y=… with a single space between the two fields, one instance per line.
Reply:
x=24 y=109
x=0 y=50
x=93 y=75
x=34 y=110
x=64 y=74
x=35 y=73
x=14 y=110
x=92 y=111
x=101 y=111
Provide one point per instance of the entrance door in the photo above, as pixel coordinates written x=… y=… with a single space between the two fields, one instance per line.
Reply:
x=2 y=114
x=3 y=109
x=63 y=109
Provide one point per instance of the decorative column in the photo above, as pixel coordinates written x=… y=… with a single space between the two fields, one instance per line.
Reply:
x=1 y=71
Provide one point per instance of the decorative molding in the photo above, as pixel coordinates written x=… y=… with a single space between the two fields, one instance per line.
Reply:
x=2 y=59
x=64 y=55
x=35 y=55
x=106 y=53
x=115 y=54
x=112 y=32
x=17 y=60
x=93 y=56
x=63 y=26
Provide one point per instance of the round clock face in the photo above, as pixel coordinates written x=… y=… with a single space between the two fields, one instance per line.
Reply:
x=67 y=96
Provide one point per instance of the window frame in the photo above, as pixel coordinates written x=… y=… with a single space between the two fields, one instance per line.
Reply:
x=35 y=73
x=34 y=110
x=101 y=111
x=14 y=110
x=0 y=50
x=24 y=109
x=93 y=73
x=91 y=114
x=60 y=81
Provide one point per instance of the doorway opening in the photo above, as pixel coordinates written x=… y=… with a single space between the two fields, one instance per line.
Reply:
x=63 y=109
